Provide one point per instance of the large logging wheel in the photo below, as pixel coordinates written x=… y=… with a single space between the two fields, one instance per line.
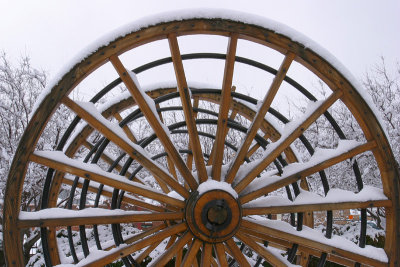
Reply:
x=198 y=175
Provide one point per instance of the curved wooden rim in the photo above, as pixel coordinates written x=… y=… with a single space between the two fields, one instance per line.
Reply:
x=332 y=77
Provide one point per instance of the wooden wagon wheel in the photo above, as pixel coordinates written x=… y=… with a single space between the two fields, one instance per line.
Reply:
x=202 y=208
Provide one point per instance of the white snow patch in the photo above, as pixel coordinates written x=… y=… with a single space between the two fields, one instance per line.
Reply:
x=149 y=101
x=54 y=213
x=315 y=235
x=319 y=156
x=174 y=194
x=368 y=193
x=210 y=185
x=60 y=157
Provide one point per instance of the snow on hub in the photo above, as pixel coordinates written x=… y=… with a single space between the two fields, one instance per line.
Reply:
x=213 y=216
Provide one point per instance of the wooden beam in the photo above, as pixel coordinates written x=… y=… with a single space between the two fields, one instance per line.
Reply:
x=109 y=131
x=304 y=172
x=267 y=255
x=213 y=150
x=80 y=169
x=285 y=245
x=237 y=253
x=124 y=251
x=259 y=118
x=78 y=219
x=187 y=108
x=190 y=255
x=315 y=207
x=286 y=140
x=147 y=106
x=206 y=255
x=220 y=253
x=165 y=257
x=310 y=242
x=224 y=107
x=127 y=198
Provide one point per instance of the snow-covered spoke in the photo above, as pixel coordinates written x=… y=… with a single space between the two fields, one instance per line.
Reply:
x=262 y=251
x=185 y=97
x=314 y=239
x=110 y=160
x=224 y=108
x=107 y=191
x=336 y=199
x=259 y=117
x=169 y=253
x=292 y=131
x=148 y=108
x=114 y=133
x=57 y=160
x=124 y=250
x=236 y=253
x=63 y=217
x=321 y=160
x=144 y=234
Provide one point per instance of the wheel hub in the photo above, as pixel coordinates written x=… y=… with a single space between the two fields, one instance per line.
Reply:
x=213 y=216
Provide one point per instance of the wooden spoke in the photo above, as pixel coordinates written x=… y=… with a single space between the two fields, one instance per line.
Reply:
x=256 y=146
x=178 y=258
x=79 y=218
x=104 y=156
x=135 y=246
x=187 y=108
x=189 y=160
x=171 y=241
x=285 y=245
x=107 y=191
x=224 y=107
x=221 y=256
x=144 y=234
x=213 y=150
x=236 y=253
x=169 y=253
x=286 y=140
x=58 y=161
x=134 y=151
x=304 y=171
x=292 y=208
x=130 y=135
x=263 y=252
x=147 y=251
x=297 y=238
x=171 y=166
x=206 y=255
x=259 y=118
x=191 y=253
x=147 y=106
x=126 y=129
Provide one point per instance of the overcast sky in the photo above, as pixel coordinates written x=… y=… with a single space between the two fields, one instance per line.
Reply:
x=357 y=32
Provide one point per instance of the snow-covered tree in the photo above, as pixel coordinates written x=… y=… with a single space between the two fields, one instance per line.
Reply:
x=20 y=86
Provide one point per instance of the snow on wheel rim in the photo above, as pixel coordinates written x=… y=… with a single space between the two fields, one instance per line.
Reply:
x=165 y=196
